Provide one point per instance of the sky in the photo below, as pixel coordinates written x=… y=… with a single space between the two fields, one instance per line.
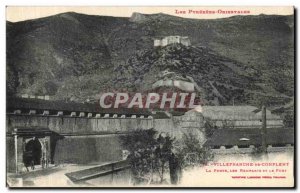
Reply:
x=21 y=13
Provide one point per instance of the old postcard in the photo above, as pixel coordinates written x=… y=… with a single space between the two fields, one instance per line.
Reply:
x=150 y=97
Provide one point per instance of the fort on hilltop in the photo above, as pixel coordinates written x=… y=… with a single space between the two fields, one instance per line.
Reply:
x=184 y=40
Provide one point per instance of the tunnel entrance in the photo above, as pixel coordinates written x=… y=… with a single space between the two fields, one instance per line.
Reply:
x=33 y=146
x=32 y=152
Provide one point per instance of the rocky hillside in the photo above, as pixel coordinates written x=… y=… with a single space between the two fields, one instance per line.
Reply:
x=220 y=79
x=74 y=56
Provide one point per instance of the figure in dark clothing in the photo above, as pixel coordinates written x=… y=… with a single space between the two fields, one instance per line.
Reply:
x=175 y=169
x=28 y=161
x=32 y=153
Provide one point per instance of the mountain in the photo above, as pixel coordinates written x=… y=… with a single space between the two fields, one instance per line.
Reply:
x=71 y=56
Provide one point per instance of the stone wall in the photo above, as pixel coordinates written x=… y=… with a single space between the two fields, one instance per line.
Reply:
x=84 y=125
x=83 y=139
x=10 y=154
x=88 y=149
x=95 y=140
x=251 y=149
x=251 y=123
x=176 y=126
x=79 y=125
x=192 y=122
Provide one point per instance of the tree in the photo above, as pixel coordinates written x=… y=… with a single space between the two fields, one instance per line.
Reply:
x=149 y=153
x=191 y=153
x=153 y=154
x=163 y=154
x=210 y=127
x=288 y=118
